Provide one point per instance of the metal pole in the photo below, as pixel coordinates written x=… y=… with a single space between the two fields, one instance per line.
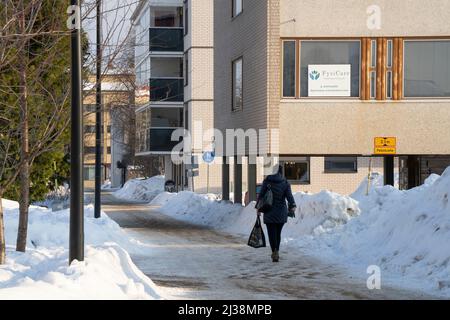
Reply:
x=98 y=117
x=207 y=178
x=225 y=179
x=76 y=236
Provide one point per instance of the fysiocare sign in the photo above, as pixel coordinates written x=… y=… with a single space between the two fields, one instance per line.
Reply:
x=329 y=80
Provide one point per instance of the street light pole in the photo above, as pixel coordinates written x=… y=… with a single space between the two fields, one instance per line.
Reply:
x=76 y=236
x=98 y=117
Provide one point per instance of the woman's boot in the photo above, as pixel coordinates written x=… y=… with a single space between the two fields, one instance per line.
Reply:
x=275 y=256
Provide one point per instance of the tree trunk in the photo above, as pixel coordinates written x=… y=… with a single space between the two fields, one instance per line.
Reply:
x=2 y=235
x=24 y=176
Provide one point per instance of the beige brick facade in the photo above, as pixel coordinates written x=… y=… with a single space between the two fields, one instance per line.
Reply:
x=114 y=92
x=199 y=91
x=316 y=127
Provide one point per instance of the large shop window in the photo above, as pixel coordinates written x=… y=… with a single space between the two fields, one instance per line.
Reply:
x=296 y=171
x=338 y=54
x=427 y=69
x=341 y=164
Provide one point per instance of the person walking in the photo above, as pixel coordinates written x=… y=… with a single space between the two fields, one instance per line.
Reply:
x=277 y=216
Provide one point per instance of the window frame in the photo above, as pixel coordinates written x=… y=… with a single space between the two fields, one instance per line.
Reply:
x=233 y=8
x=296 y=61
x=306 y=160
x=233 y=82
x=298 y=48
x=186 y=68
x=186 y=17
x=418 y=39
x=354 y=170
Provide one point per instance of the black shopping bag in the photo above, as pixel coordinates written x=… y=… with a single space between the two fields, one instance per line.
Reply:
x=257 y=238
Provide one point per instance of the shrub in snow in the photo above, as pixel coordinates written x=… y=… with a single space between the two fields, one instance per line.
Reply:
x=141 y=189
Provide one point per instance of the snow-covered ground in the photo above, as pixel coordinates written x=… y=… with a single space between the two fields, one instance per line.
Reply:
x=141 y=189
x=405 y=233
x=43 y=271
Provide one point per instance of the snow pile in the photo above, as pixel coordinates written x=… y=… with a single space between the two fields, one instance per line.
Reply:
x=376 y=180
x=43 y=272
x=162 y=198
x=321 y=212
x=141 y=190
x=315 y=213
x=49 y=229
x=404 y=232
x=199 y=209
x=106 y=185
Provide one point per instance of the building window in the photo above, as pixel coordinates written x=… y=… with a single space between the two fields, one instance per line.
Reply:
x=319 y=52
x=186 y=17
x=89 y=129
x=389 y=67
x=89 y=150
x=341 y=164
x=237 y=85
x=89 y=173
x=373 y=69
x=186 y=116
x=166 y=117
x=186 y=68
x=296 y=171
x=237 y=7
x=427 y=69
x=166 y=17
x=289 y=68
x=90 y=108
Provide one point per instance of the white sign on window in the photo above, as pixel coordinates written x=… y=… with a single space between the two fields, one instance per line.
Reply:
x=329 y=80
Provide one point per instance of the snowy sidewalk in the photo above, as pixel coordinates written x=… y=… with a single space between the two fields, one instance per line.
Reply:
x=192 y=262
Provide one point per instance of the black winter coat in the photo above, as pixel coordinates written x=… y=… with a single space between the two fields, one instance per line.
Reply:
x=281 y=190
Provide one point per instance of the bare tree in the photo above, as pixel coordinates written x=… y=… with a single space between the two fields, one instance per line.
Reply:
x=33 y=115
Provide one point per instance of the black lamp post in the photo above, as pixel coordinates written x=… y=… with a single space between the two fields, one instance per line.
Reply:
x=98 y=118
x=76 y=237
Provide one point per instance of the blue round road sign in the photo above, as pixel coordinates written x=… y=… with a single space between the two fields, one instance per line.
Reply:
x=208 y=157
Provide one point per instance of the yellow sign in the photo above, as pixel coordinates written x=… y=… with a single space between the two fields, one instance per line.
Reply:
x=386 y=145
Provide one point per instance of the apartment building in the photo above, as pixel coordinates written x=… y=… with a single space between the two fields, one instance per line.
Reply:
x=174 y=88
x=346 y=87
x=117 y=98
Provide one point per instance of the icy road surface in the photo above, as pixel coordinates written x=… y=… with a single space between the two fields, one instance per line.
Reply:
x=192 y=262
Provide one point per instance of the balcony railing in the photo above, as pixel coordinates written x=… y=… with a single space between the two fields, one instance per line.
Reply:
x=166 y=90
x=166 y=39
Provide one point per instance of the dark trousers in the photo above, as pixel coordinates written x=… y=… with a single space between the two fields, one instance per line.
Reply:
x=274 y=232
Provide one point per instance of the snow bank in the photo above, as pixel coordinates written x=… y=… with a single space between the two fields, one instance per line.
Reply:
x=42 y=272
x=376 y=180
x=321 y=212
x=106 y=185
x=162 y=198
x=199 y=209
x=141 y=190
x=315 y=213
x=404 y=232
